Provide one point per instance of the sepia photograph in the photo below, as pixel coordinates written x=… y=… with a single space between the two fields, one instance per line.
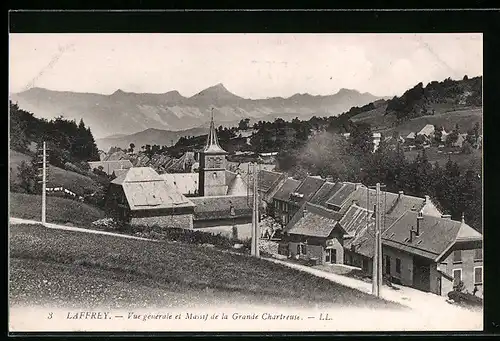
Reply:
x=245 y=182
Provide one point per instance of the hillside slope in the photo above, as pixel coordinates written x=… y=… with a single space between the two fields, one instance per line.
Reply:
x=126 y=113
x=150 y=273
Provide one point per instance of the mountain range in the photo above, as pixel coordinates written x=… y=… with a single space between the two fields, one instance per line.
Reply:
x=124 y=113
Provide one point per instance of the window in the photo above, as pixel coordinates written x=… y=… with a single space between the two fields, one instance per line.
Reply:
x=365 y=264
x=457 y=276
x=387 y=264
x=285 y=207
x=478 y=254
x=276 y=204
x=398 y=266
x=478 y=275
x=301 y=249
x=327 y=258
x=457 y=256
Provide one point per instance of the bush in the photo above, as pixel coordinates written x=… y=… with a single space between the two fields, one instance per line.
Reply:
x=184 y=236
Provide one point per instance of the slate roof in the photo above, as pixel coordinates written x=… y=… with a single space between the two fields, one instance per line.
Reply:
x=185 y=183
x=325 y=192
x=359 y=224
x=289 y=186
x=314 y=225
x=110 y=166
x=309 y=186
x=219 y=207
x=238 y=187
x=268 y=179
x=342 y=194
x=435 y=237
x=145 y=190
x=394 y=205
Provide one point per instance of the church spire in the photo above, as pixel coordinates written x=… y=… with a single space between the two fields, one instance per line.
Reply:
x=212 y=145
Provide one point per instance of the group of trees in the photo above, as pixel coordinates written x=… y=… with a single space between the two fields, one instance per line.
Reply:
x=416 y=101
x=68 y=141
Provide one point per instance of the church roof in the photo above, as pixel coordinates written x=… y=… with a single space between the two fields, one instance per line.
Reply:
x=238 y=187
x=212 y=146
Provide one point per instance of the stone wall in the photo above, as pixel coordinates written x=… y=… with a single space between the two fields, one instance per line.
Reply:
x=167 y=221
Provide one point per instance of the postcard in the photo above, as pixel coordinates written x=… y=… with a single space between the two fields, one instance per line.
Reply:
x=245 y=182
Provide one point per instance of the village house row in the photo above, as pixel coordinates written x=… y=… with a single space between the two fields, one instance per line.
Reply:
x=324 y=221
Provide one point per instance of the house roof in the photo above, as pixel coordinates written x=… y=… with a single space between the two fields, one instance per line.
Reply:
x=309 y=186
x=342 y=194
x=145 y=189
x=110 y=166
x=185 y=183
x=394 y=205
x=436 y=234
x=410 y=135
x=314 y=225
x=289 y=186
x=238 y=187
x=355 y=219
x=325 y=192
x=427 y=130
x=268 y=179
x=219 y=207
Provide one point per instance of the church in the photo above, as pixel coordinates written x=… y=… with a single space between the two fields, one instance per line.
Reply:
x=213 y=198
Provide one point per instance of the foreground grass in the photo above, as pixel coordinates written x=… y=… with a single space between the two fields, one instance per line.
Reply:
x=170 y=267
x=59 y=210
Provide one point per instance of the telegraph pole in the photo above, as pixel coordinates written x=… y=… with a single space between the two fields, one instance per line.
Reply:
x=255 y=215
x=377 y=257
x=44 y=183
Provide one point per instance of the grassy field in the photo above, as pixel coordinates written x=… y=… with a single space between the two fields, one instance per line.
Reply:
x=59 y=210
x=57 y=177
x=463 y=160
x=448 y=118
x=466 y=119
x=50 y=266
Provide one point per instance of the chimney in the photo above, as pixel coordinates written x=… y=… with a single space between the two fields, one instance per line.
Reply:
x=427 y=199
x=420 y=217
x=411 y=235
x=463 y=218
x=304 y=211
x=354 y=202
x=446 y=216
x=400 y=194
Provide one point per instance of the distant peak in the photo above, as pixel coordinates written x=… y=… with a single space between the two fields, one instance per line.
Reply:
x=118 y=92
x=347 y=91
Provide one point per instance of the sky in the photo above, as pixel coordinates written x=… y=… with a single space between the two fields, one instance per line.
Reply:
x=249 y=65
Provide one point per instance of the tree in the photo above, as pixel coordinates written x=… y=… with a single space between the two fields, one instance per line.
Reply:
x=438 y=134
x=452 y=138
x=132 y=146
x=244 y=124
x=27 y=174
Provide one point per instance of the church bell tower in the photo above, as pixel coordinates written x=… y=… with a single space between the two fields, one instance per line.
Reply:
x=212 y=171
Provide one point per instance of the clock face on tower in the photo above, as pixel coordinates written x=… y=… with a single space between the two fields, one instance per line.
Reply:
x=214 y=162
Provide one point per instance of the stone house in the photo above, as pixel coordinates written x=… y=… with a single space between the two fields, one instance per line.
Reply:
x=282 y=211
x=315 y=235
x=140 y=196
x=432 y=253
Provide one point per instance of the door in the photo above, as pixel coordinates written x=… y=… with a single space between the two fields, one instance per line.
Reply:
x=331 y=256
x=387 y=265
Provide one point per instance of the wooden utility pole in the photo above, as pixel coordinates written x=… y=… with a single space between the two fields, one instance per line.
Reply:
x=379 y=239
x=377 y=257
x=44 y=184
x=255 y=214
